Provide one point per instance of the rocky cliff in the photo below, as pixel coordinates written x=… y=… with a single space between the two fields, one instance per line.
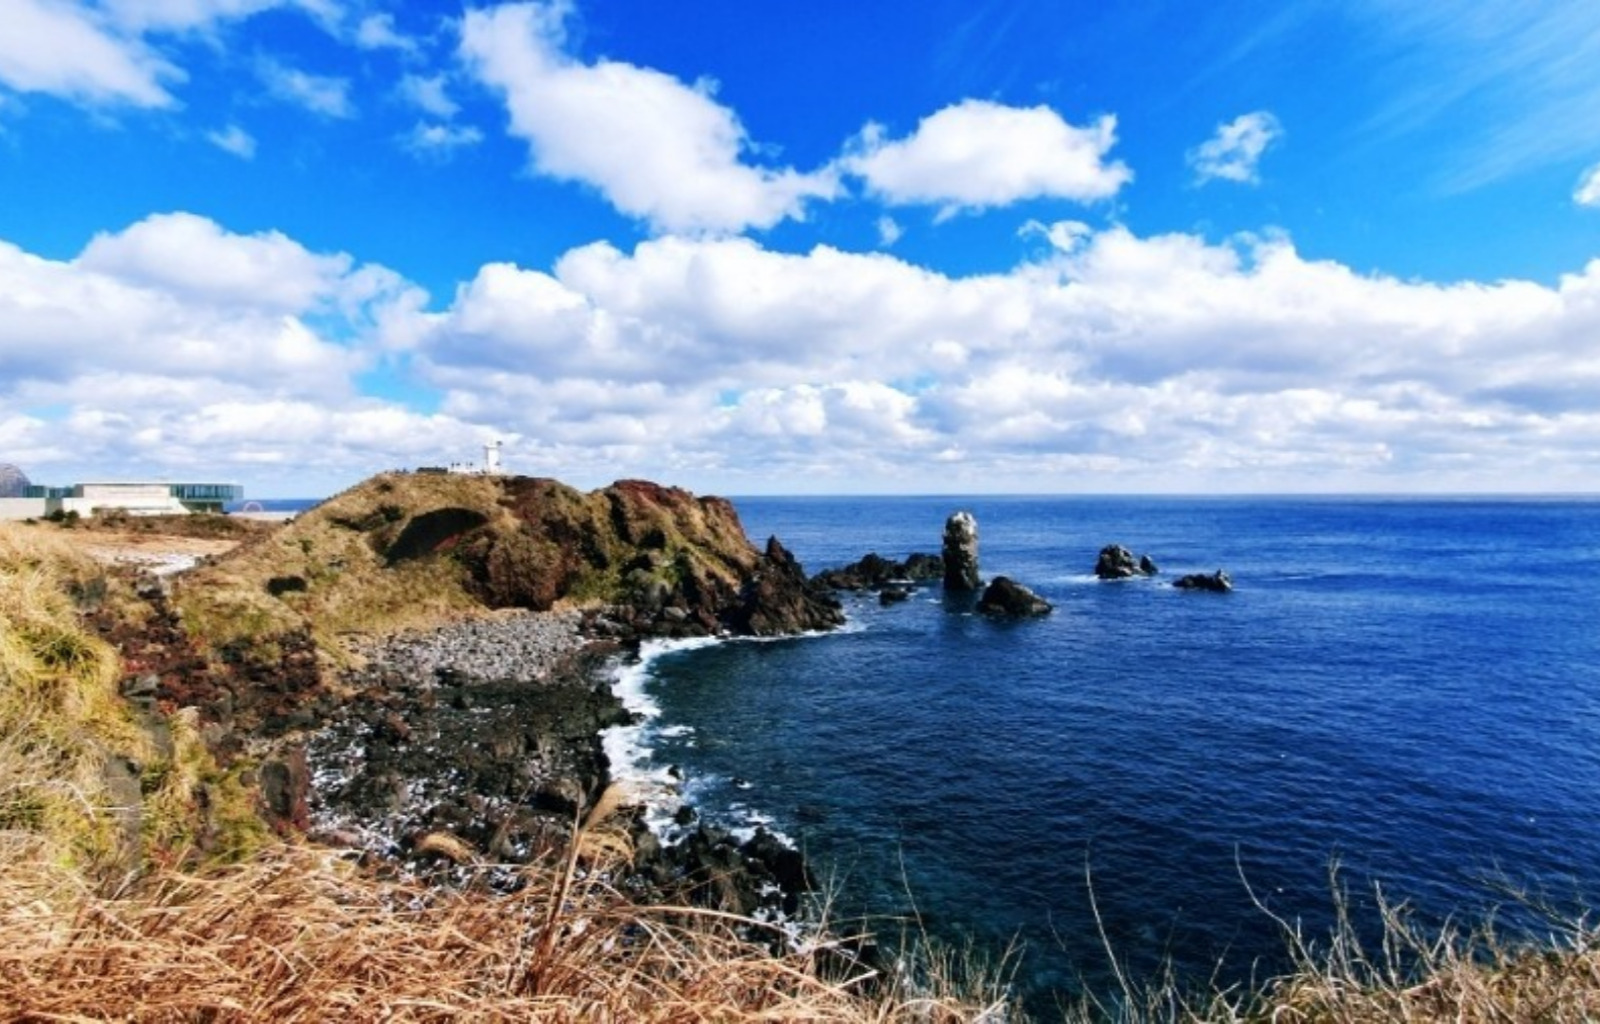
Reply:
x=304 y=633
x=413 y=550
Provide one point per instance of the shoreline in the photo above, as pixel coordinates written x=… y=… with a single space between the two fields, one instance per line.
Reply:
x=481 y=743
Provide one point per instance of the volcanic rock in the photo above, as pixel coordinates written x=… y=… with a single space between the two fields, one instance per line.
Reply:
x=779 y=599
x=961 y=553
x=874 y=572
x=1004 y=598
x=1217 y=582
x=1118 y=563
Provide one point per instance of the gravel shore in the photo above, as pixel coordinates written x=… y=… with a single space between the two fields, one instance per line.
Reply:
x=528 y=646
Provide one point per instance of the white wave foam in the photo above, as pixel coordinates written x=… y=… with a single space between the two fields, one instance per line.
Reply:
x=630 y=748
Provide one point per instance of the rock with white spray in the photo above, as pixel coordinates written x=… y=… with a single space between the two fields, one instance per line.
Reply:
x=961 y=553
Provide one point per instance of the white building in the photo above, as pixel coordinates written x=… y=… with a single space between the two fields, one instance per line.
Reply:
x=136 y=498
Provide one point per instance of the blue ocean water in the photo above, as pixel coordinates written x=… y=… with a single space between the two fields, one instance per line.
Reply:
x=283 y=505
x=1407 y=687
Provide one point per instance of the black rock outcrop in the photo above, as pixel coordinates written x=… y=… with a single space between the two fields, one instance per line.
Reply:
x=874 y=572
x=778 y=599
x=1118 y=563
x=961 y=553
x=1005 y=598
x=1218 y=582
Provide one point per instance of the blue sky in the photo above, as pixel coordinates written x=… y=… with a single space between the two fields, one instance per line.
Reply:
x=756 y=248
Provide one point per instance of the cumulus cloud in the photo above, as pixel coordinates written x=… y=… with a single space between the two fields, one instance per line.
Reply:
x=191 y=15
x=657 y=149
x=1235 y=151
x=977 y=154
x=440 y=140
x=1588 y=191
x=235 y=140
x=377 y=32
x=889 y=231
x=195 y=259
x=1111 y=360
x=427 y=93
x=111 y=52
x=70 y=51
x=177 y=346
x=1165 y=362
x=320 y=94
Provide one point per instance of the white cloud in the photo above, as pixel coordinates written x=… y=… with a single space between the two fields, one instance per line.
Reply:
x=1235 y=151
x=977 y=154
x=1163 y=362
x=100 y=53
x=440 y=140
x=1113 y=361
x=428 y=95
x=377 y=32
x=1064 y=235
x=235 y=140
x=197 y=260
x=320 y=94
x=192 y=15
x=889 y=232
x=178 y=347
x=67 y=50
x=655 y=148
x=1588 y=191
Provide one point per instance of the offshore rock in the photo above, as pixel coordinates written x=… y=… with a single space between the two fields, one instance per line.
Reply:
x=961 y=553
x=874 y=572
x=1218 y=582
x=1118 y=563
x=1005 y=598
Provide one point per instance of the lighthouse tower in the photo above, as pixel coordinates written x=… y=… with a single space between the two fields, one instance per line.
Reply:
x=491 y=458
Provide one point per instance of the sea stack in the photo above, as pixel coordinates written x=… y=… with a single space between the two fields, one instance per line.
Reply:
x=961 y=553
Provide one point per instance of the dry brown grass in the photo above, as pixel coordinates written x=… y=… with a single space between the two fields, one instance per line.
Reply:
x=1391 y=968
x=296 y=936
x=61 y=718
x=349 y=588
x=1447 y=973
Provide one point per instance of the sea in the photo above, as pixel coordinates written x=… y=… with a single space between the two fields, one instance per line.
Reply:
x=1399 y=701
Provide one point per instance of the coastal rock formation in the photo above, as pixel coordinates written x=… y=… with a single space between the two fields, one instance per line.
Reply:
x=1218 y=582
x=273 y=630
x=778 y=599
x=13 y=481
x=451 y=732
x=406 y=550
x=961 y=553
x=1005 y=598
x=719 y=872
x=1118 y=563
x=874 y=572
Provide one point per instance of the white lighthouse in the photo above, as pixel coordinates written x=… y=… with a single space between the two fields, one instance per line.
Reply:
x=491 y=458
